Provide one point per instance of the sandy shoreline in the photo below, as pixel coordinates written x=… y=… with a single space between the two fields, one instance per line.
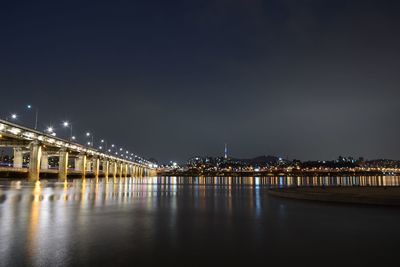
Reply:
x=388 y=196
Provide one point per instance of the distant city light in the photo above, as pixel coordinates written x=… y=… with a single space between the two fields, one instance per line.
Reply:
x=87 y=134
x=65 y=123
x=14 y=116
x=50 y=129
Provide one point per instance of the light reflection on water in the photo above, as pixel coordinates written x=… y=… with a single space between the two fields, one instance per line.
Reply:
x=50 y=223
x=100 y=191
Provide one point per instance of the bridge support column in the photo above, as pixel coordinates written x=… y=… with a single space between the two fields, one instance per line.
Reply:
x=96 y=167
x=120 y=170
x=88 y=166
x=34 y=161
x=63 y=165
x=44 y=164
x=113 y=169
x=136 y=171
x=125 y=170
x=80 y=164
x=18 y=157
x=105 y=164
x=131 y=170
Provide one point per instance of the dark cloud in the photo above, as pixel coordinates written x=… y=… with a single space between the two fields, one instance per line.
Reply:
x=171 y=79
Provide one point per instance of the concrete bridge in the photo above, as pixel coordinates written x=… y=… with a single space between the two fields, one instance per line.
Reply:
x=33 y=149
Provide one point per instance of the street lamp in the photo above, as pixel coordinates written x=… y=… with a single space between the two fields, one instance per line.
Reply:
x=66 y=124
x=30 y=107
x=104 y=142
x=14 y=116
x=88 y=134
x=50 y=130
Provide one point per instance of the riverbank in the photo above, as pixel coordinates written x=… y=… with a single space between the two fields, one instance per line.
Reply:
x=388 y=196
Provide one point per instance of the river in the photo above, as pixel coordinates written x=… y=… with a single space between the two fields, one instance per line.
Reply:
x=191 y=222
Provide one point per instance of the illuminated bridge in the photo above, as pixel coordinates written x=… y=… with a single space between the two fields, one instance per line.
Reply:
x=33 y=149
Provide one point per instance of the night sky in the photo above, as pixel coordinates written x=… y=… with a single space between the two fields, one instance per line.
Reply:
x=305 y=79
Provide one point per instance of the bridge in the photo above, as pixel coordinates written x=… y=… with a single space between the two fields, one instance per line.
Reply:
x=32 y=150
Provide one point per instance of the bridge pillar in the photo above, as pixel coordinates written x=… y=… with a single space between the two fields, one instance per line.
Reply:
x=34 y=161
x=131 y=170
x=18 y=157
x=96 y=166
x=125 y=170
x=88 y=165
x=105 y=164
x=44 y=164
x=120 y=169
x=136 y=171
x=63 y=165
x=113 y=169
x=80 y=164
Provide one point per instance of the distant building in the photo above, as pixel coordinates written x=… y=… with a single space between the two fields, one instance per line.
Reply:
x=226 y=151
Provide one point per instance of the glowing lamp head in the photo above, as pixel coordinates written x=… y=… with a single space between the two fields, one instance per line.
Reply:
x=14 y=116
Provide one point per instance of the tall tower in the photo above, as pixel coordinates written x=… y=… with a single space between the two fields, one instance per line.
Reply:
x=226 y=151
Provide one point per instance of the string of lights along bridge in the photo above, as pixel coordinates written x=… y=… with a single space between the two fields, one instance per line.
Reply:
x=33 y=149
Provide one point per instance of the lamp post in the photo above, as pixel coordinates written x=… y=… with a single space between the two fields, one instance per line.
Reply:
x=13 y=116
x=88 y=134
x=50 y=130
x=66 y=124
x=102 y=141
x=36 y=114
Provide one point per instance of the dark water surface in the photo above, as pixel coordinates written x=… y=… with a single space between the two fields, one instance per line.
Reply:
x=189 y=222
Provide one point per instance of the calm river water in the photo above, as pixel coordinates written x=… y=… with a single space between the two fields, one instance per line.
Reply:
x=190 y=222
